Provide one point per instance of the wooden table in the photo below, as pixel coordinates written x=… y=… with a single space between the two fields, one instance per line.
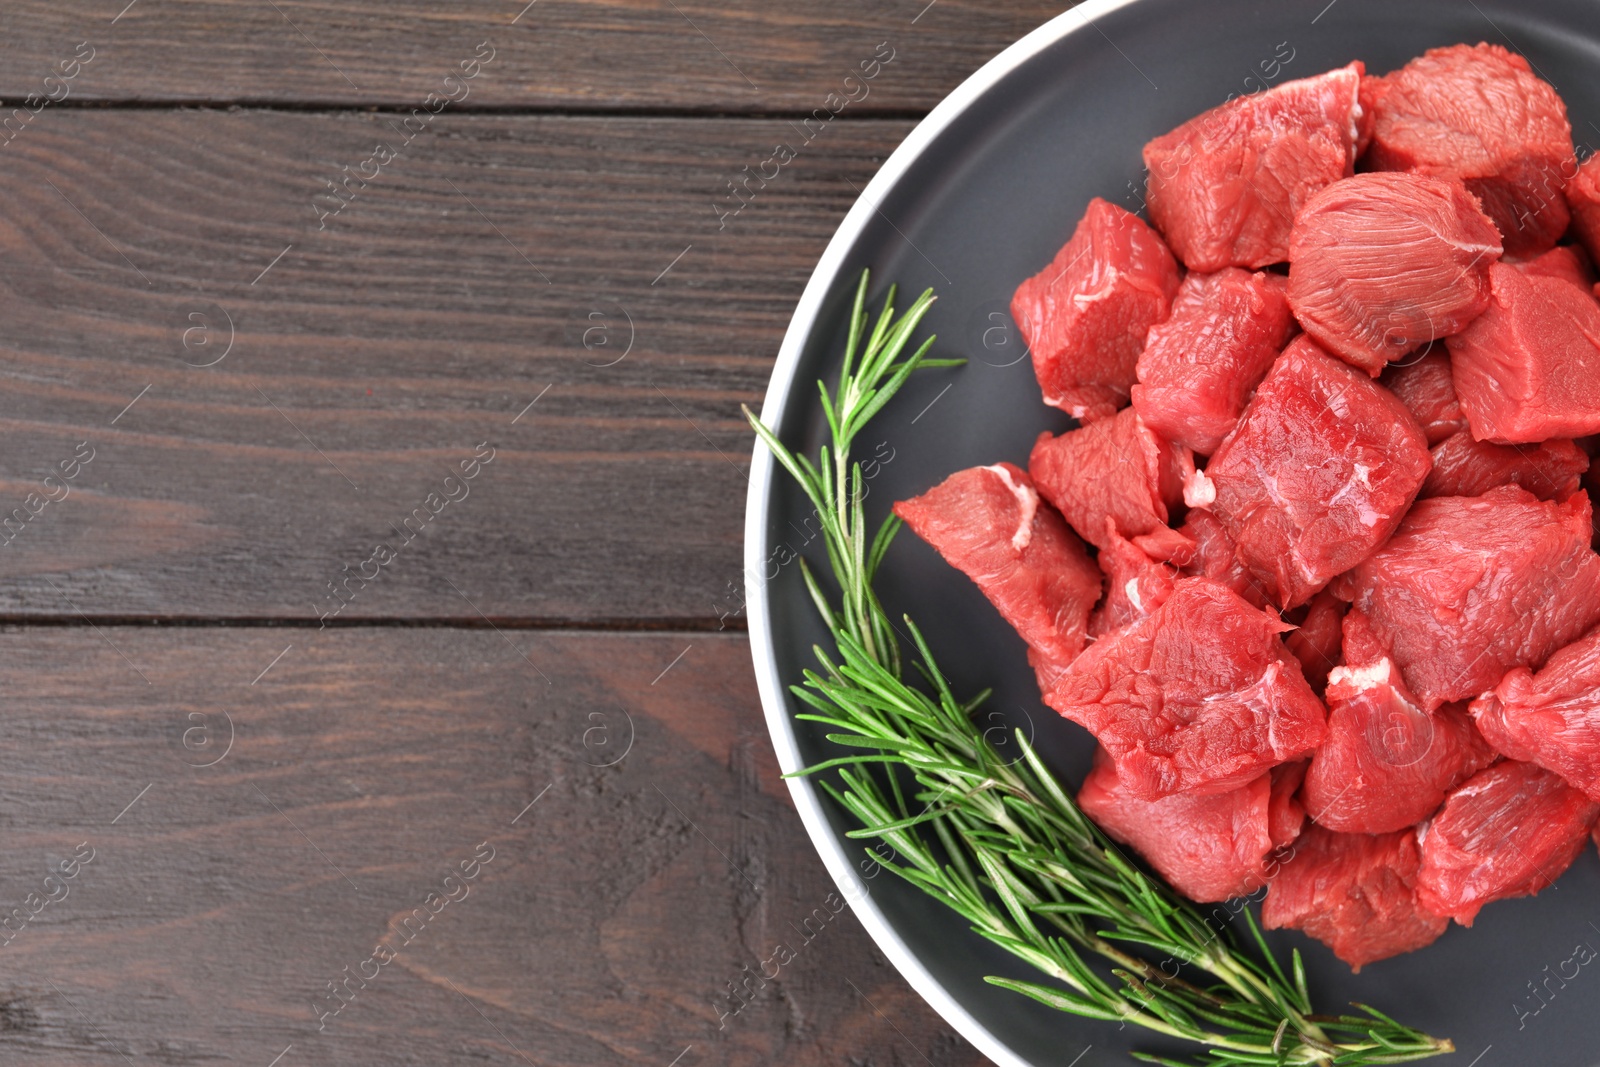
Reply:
x=289 y=280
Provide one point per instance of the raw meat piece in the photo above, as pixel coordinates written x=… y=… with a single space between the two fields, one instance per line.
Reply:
x=1045 y=669
x=989 y=524
x=1116 y=468
x=1380 y=264
x=1425 y=387
x=1551 y=718
x=1550 y=470
x=1361 y=646
x=1566 y=262
x=1225 y=186
x=1509 y=831
x=1583 y=197
x=1479 y=114
x=1316 y=642
x=1320 y=469
x=1528 y=368
x=1387 y=764
x=1215 y=557
x=1135 y=584
x=1209 y=848
x=1085 y=316
x=1355 y=893
x=1286 y=816
x=1470 y=587
x=1200 y=695
x=1199 y=366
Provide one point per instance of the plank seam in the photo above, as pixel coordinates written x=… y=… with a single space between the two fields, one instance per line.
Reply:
x=661 y=625
x=337 y=107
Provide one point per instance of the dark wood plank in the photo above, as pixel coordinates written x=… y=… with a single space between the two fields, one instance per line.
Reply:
x=365 y=766
x=498 y=258
x=718 y=56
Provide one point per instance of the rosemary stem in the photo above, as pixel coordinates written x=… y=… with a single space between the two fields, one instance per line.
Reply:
x=1009 y=850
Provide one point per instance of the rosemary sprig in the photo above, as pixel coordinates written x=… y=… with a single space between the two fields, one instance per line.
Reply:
x=1000 y=842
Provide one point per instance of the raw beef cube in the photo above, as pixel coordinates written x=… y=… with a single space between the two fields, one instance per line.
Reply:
x=1199 y=367
x=1199 y=695
x=1319 y=471
x=1479 y=114
x=1583 y=197
x=988 y=523
x=1117 y=468
x=1315 y=643
x=1208 y=848
x=1286 y=816
x=1551 y=718
x=1085 y=316
x=1387 y=764
x=1425 y=387
x=1470 y=587
x=1225 y=186
x=1528 y=368
x=1045 y=669
x=1360 y=644
x=1509 y=831
x=1380 y=264
x=1550 y=470
x=1567 y=262
x=1215 y=557
x=1135 y=584
x=1356 y=893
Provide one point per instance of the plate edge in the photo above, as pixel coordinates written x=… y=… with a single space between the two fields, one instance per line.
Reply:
x=769 y=685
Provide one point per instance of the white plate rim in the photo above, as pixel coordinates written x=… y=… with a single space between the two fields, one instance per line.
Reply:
x=769 y=685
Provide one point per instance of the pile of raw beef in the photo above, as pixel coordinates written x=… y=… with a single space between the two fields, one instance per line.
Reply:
x=1337 y=636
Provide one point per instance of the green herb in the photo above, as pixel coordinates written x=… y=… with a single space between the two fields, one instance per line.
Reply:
x=1000 y=842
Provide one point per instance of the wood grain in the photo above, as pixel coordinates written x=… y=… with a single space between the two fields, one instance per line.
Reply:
x=366 y=764
x=229 y=370
x=498 y=261
x=568 y=54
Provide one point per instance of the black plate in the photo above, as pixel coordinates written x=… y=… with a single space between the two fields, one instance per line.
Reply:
x=980 y=197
